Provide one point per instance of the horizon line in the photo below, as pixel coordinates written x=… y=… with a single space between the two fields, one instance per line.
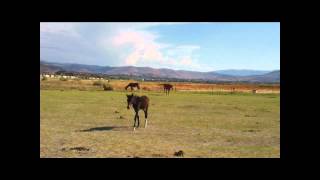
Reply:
x=162 y=68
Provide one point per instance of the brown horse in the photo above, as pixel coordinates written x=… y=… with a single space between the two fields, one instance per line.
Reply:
x=132 y=85
x=167 y=88
x=138 y=103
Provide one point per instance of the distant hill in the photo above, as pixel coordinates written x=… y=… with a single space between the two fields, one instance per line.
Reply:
x=273 y=76
x=241 y=72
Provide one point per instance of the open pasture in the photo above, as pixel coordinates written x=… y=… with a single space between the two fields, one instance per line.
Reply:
x=95 y=123
x=119 y=85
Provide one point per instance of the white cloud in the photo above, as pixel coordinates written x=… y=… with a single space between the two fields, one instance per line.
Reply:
x=145 y=47
x=116 y=44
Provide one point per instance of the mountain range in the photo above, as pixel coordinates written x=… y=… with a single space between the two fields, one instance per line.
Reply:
x=221 y=75
x=242 y=72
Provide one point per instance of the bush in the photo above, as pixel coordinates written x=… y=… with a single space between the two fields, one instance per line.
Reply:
x=44 y=78
x=107 y=87
x=63 y=79
x=98 y=83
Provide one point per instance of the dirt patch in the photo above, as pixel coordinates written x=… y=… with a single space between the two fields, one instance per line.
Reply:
x=76 y=149
x=251 y=130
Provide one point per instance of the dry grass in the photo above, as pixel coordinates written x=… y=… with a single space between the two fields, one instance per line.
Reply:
x=119 y=85
x=97 y=124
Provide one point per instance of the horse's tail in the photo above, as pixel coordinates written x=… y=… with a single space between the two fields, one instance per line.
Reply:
x=126 y=87
x=138 y=86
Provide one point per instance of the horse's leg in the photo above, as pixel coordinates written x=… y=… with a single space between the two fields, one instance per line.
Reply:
x=138 y=119
x=146 y=117
x=135 y=119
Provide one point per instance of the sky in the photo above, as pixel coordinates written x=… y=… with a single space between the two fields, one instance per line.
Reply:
x=195 y=46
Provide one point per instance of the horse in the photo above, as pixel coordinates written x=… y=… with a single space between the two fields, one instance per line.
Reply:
x=132 y=85
x=138 y=103
x=167 y=88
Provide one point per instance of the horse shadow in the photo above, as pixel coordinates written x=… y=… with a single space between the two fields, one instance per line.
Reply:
x=105 y=128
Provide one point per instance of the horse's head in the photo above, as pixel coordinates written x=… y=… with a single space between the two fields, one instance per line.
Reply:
x=129 y=100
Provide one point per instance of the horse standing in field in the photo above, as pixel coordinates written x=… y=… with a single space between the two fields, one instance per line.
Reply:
x=138 y=103
x=132 y=85
x=167 y=88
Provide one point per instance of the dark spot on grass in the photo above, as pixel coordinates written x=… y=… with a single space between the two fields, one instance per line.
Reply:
x=116 y=112
x=121 y=117
x=105 y=128
x=251 y=130
x=263 y=110
x=247 y=115
x=238 y=108
x=79 y=149
x=179 y=153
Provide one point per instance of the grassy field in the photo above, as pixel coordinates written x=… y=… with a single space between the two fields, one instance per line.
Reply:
x=96 y=123
x=84 y=85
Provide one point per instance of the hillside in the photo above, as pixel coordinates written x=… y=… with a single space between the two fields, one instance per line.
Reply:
x=157 y=73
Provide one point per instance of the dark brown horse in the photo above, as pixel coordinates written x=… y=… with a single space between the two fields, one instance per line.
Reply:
x=132 y=85
x=138 y=103
x=167 y=88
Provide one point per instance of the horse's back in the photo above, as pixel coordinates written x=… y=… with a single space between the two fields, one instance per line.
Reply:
x=145 y=101
x=145 y=98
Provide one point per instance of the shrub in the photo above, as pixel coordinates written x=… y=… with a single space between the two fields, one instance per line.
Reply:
x=63 y=79
x=107 y=87
x=97 y=83
x=44 y=78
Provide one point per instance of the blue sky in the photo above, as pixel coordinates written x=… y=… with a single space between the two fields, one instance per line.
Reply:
x=186 y=46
